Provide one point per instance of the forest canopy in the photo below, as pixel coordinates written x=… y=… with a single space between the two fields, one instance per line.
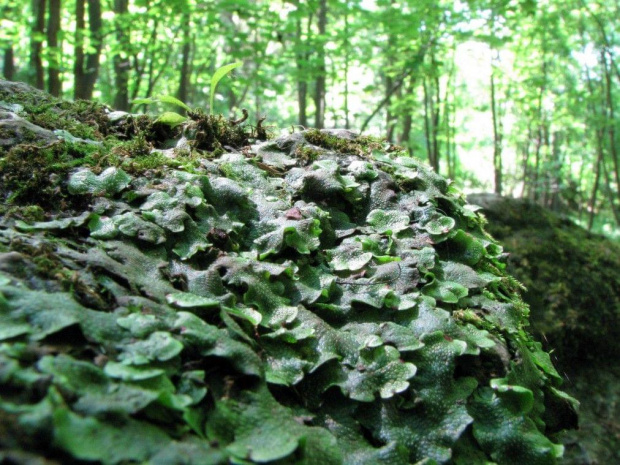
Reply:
x=514 y=96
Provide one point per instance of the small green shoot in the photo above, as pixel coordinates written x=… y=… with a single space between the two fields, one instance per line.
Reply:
x=217 y=77
x=169 y=118
x=172 y=118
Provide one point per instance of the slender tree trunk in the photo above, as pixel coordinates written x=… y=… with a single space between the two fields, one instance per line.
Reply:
x=319 y=92
x=497 y=135
x=78 y=65
x=525 y=159
x=390 y=121
x=427 y=125
x=36 y=45
x=611 y=122
x=154 y=74
x=580 y=194
x=8 y=63
x=610 y=194
x=185 y=54
x=53 y=26
x=87 y=64
x=436 y=119
x=347 y=53
x=301 y=56
x=121 y=59
x=555 y=174
x=403 y=138
x=447 y=121
x=597 y=175
x=535 y=192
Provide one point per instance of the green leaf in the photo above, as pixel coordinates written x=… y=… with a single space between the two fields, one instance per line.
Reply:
x=506 y=434
x=111 y=181
x=388 y=222
x=160 y=346
x=209 y=340
x=130 y=372
x=264 y=431
x=173 y=101
x=348 y=256
x=439 y=225
x=171 y=119
x=143 y=101
x=217 y=77
x=246 y=313
x=446 y=291
x=63 y=223
x=189 y=300
x=87 y=438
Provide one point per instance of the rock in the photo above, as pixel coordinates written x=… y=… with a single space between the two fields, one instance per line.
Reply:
x=318 y=298
x=16 y=130
x=572 y=277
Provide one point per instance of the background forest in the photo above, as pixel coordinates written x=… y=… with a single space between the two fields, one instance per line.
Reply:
x=514 y=96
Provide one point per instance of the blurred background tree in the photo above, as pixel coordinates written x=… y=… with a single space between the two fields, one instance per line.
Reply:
x=513 y=96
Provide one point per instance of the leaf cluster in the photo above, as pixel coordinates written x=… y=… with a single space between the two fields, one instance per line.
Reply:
x=269 y=309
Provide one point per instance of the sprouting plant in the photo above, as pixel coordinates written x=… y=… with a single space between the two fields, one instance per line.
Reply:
x=172 y=118
x=217 y=77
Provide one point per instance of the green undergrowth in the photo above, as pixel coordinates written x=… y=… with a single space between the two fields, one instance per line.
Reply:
x=265 y=305
x=571 y=277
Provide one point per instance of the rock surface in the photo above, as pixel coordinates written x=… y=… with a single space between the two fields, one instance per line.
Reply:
x=318 y=298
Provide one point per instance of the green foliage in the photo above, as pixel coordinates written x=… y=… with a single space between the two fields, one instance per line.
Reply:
x=173 y=119
x=269 y=309
x=217 y=77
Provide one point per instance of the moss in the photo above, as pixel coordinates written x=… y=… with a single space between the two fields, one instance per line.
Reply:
x=28 y=213
x=307 y=153
x=360 y=145
x=213 y=133
x=83 y=119
x=33 y=175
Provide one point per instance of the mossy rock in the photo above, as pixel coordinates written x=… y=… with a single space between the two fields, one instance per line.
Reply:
x=317 y=298
x=572 y=278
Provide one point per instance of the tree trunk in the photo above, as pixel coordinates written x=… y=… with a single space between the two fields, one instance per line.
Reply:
x=403 y=138
x=87 y=64
x=8 y=64
x=121 y=58
x=448 y=123
x=427 y=125
x=390 y=121
x=301 y=57
x=553 y=198
x=525 y=159
x=185 y=55
x=319 y=92
x=597 y=175
x=436 y=119
x=36 y=44
x=611 y=123
x=610 y=194
x=497 y=136
x=347 y=55
x=53 y=26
